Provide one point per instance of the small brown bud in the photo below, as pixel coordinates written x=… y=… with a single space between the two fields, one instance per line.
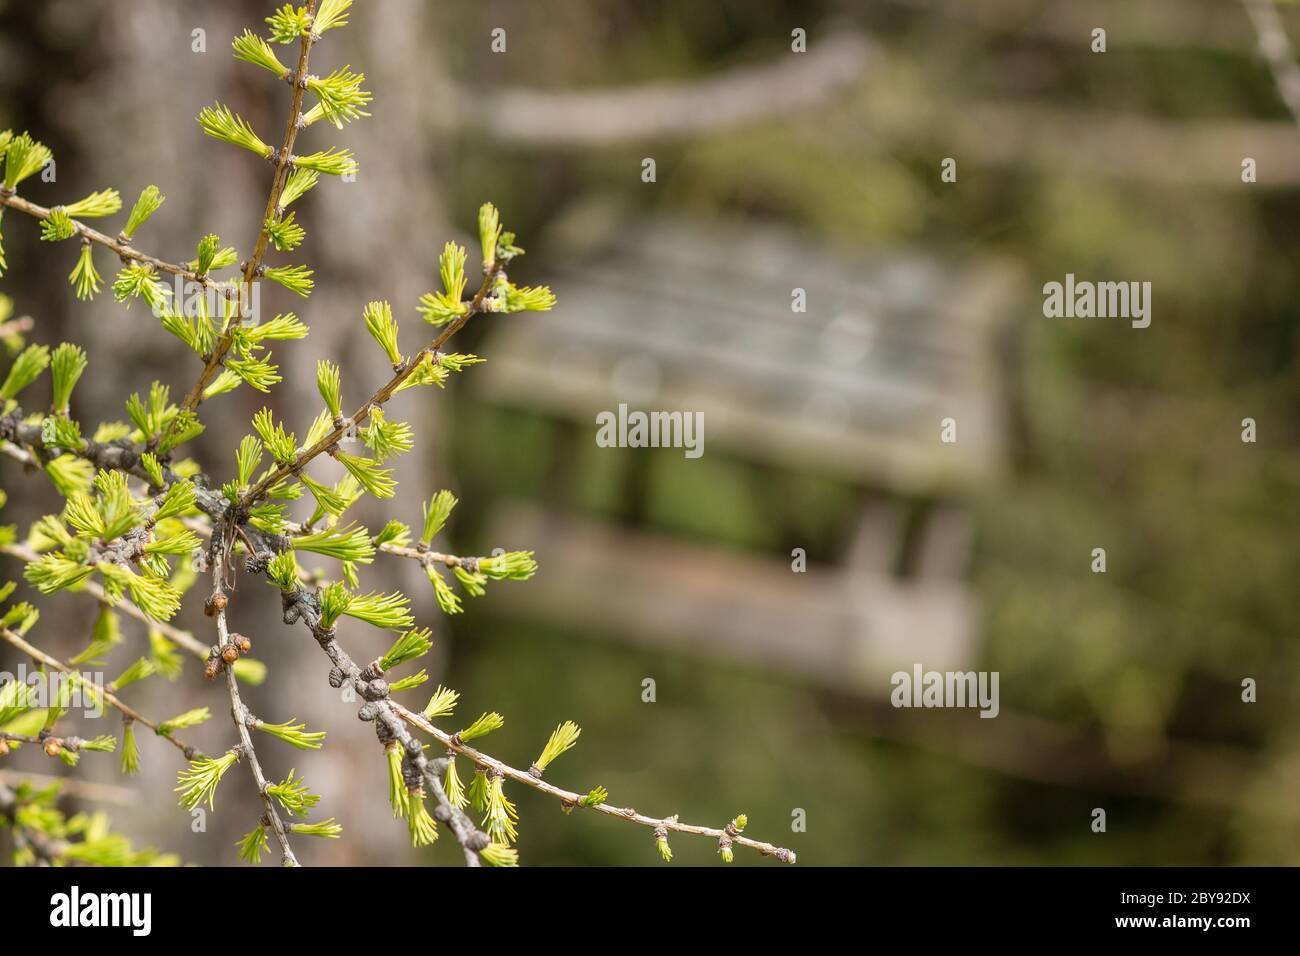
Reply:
x=214 y=604
x=53 y=748
x=230 y=653
x=243 y=643
x=212 y=668
x=4 y=748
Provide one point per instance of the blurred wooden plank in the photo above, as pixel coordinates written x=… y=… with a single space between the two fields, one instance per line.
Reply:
x=1162 y=24
x=877 y=537
x=944 y=546
x=856 y=387
x=844 y=630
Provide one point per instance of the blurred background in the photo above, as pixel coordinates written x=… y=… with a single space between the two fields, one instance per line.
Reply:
x=775 y=171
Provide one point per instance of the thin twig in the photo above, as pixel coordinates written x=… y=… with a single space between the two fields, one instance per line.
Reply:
x=124 y=250
x=253 y=263
x=73 y=787
x=173 y=633
x=571 y=799
x=35 y=653
x=240 y=714
x=302 y=605
x=382 y=395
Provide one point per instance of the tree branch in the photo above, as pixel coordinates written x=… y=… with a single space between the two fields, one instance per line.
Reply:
x=124 y=251
x=253 y=263
x=376 y=400
x=239 y=713
x=302 y=605
x=173 y=633
x=110 y=698
x=571 y=799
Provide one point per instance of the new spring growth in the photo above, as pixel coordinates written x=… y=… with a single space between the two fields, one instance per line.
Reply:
x=145 y=206
x=137 y=671
x=418 y=679
x=57 y=226
x=729 y=834
x=407 y=796
x=280 y=444
x=23 y=157
x=393 y=532
x=489 y=234
x=661 y=843
x=350 y=543
x=66 y=366
x=442 y=703
x=251 y=48
x=289 y=23
x=331 y=162
x=562 y=739
x=84 y=277
x=387 y=439
x=501 y=816
x=166 y=658
x=482 y=727
x=412 y=644
x=254 y=844
x=422 y=827
x=27 y=367
x=199 y=782
x=497 y=854
x=326 y=828
x=282 y=571
x=191 y=718
x=130 y=761
x=139 y=281
x=341 y=98
x=285 y=233
x=439 y=308
x=220 y=123
x=383 y=328
x=388 y=611
x=298 y=184
x=293 y=795
x=105 y=743
x=398 y=795
x=377 y=481
x=452 y=784
x=292 y=733
x=436 y=513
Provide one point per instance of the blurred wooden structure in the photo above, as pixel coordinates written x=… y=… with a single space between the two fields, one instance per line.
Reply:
x=699 y=318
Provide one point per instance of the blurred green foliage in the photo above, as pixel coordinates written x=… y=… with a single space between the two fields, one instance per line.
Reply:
x=1123 y=439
